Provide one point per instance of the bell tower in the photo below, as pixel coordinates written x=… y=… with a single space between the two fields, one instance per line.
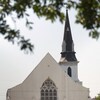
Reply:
x=68 y=60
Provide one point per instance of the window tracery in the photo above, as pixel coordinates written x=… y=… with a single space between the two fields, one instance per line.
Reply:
x=48 y=90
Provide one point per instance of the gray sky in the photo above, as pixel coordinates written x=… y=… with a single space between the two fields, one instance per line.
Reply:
x=15 y=66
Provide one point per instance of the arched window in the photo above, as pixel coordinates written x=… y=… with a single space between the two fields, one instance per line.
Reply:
x=69 y=71
x=48 y=90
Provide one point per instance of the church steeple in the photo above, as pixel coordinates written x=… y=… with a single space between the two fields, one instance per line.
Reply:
x=68 y=61
x=68 y=45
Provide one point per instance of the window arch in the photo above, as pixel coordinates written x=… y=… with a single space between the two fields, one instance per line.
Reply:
x=48 y=90
x=69 y=71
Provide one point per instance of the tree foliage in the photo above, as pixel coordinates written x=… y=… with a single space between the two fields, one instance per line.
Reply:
x=88 y=15
x=97 y=97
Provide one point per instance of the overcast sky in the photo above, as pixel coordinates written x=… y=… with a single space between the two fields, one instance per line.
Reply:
x=15 y=65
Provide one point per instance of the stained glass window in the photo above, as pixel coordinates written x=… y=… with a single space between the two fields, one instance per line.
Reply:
x=48 y=90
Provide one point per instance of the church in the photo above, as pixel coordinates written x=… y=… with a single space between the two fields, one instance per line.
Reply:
x=51 y=80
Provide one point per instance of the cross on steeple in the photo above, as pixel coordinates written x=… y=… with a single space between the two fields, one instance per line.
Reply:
x=68 y=45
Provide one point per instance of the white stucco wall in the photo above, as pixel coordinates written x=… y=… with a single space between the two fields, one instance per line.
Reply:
x=67 y=89
x=74 y=67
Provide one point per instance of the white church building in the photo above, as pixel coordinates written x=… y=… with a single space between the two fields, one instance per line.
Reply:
x=51 y=80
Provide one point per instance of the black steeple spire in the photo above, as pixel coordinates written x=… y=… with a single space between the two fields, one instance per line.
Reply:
x=68 y=45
